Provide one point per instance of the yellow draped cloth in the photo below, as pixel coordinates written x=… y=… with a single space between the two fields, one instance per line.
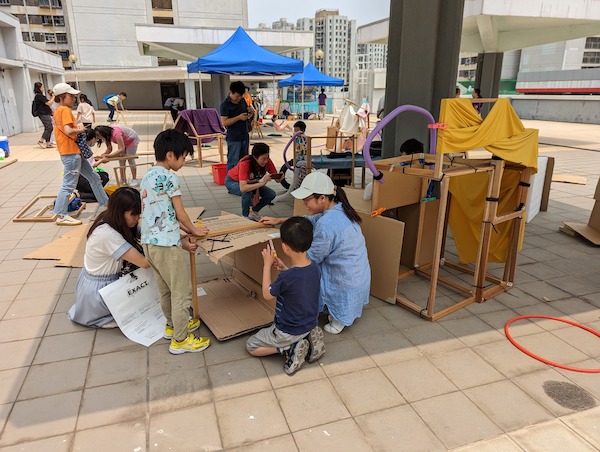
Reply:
x=502 y=133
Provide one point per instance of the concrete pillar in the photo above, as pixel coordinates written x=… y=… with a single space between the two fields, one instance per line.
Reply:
x=423 y=49
x=190 y=93
x=219 y=89
x=487 y=74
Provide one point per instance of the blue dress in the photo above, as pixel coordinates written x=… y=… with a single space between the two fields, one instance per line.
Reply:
x=339 y=249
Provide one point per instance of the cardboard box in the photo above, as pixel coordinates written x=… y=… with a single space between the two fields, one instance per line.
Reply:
x=233 y=306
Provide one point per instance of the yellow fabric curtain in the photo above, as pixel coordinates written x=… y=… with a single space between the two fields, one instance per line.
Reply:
x=503 y=134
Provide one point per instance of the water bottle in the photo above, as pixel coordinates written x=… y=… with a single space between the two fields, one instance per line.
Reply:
x=2 y=154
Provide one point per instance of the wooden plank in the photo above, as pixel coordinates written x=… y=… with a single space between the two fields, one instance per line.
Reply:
x=5 y=163
x=569 y=179
x=547 y=184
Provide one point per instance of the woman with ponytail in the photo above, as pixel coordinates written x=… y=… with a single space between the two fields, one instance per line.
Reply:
x=338 y=248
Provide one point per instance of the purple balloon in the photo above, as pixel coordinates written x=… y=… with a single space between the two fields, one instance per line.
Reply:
x=378 y=175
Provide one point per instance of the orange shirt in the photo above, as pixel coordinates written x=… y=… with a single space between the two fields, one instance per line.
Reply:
x=248 y=99
x=66 y=145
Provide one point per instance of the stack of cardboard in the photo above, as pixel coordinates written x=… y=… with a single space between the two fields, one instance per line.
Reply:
x=591 y=230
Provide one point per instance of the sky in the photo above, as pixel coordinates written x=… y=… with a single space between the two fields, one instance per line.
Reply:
x=269 y=11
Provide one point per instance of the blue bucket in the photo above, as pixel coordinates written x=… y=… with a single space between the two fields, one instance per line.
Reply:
x=4 y=146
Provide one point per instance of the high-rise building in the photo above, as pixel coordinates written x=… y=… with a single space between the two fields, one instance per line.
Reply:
x=335 y=37
x=43 y=24
x=371 y=56
x=282 y=24
x=306 y=55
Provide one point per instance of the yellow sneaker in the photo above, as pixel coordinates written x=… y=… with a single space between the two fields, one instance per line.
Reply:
x=190 y=344
x=192 y=326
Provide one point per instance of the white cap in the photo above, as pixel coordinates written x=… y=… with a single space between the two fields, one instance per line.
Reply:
x=314 y=183
x=62 y=88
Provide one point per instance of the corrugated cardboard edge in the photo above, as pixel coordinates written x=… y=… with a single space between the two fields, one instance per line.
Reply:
x=590 y=231
x=68 y=250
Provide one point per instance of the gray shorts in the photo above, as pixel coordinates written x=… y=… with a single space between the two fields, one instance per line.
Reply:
x=272 y=337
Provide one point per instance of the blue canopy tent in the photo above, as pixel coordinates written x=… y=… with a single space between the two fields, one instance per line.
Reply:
x=310 y=77
x=240 y=55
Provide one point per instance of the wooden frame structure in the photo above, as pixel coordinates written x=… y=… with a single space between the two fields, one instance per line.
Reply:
x=40 y=216
x=121 y=117
x=219 y=136
x=443 y=170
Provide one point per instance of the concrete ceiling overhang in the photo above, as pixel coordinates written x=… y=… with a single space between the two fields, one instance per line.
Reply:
x=491 y=26
x=190 y=43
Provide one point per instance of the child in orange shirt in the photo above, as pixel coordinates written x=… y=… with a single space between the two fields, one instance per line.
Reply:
x=66 y=130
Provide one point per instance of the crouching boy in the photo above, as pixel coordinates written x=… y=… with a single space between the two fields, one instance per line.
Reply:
x=294 y=332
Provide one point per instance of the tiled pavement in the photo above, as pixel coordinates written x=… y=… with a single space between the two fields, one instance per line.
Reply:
x=390 y=382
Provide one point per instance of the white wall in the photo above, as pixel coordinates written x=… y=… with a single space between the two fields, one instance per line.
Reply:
x=209 y=13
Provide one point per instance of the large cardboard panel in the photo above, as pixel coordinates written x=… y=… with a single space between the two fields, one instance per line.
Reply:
x=233 y=306
x=590 y=231
x=409 y=215
x=68 y=251
x=384 y=240
x=397 y=190
x=597 y=194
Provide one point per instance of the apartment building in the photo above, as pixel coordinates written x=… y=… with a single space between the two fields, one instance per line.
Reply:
x=335 y=36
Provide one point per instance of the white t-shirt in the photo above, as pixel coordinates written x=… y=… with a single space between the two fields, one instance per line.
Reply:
x=104 y=250
x=86 y=111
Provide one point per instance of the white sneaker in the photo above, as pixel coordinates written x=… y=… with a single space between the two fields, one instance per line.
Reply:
x=334 y=327
x=67 y=221
x=134 y=183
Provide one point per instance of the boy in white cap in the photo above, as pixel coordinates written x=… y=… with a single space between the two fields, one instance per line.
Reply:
x=66 y=131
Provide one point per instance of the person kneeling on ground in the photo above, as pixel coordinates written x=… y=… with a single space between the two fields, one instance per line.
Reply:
x=249 y=178
x=295 y=332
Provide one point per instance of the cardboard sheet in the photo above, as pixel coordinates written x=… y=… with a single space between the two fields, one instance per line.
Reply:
x=68 y=250
x=591 y=230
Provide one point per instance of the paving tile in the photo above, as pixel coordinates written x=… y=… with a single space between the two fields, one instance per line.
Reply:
x=19 y=329
x=162 y=362
x=16 y=277
x=65 y=301
x=366 y=391
x=222 y=352
x=551 y=436
x=401 y=318
x=48 y=274
x=343 y=357
x=578 y=309
x=582 y=340
x=26 y=308
x=60 y=324
x=509 y=407
x=389 y=347
x=64 y=346
x=465 y=368
x=499 y=319
x=545 y=309
x=168 y=432
x=179 y=389
x=124 y=365
x=41 y=418
x=44 y=290
x=4 y=305
x=585 y=380
x=18 y=354
x=516 y=298
x=112 y=340
x=455 y=419
x=585 y=424
x=54 y=378
x=251 y=418
x=543 y=291
x=371 y=321
x=473 y=331
x=128 y=435
x=238 y=378
x=12 y=380
x=502 y=443
x=310 y=404
x=418 y=379
x=550 y=347
x=60 y=443
x=111 y=404
x=341 y=435
x=387 y=429
x=432 y=338
x=508 y=359
x=537 y=384
x=284 y=443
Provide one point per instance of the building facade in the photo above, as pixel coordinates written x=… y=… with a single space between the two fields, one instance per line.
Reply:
x=335 y=36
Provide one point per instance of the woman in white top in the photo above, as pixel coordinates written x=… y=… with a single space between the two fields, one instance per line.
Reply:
x=112 y=239
x=86 y=112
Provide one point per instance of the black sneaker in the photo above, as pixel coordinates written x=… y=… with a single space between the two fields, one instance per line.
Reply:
x=295 y=356
x=317 y=346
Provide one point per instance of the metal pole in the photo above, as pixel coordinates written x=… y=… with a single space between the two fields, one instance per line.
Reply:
x=200 y=83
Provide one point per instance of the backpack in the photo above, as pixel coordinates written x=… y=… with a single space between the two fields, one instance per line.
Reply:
x=108 y=96
x=34 y=109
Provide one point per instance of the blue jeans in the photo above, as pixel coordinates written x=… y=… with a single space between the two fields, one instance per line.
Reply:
x=266 y=196
x=112 y=111
x=73 y=166
x=235 y=151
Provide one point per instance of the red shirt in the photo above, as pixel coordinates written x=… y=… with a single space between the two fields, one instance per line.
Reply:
x=243 y=170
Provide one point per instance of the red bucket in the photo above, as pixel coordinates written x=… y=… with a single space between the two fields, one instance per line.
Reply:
x=219 y=171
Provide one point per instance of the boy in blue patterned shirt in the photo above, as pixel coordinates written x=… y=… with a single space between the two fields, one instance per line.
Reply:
x=163 y=215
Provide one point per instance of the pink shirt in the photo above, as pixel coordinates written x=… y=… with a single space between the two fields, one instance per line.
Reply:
x=129 y=135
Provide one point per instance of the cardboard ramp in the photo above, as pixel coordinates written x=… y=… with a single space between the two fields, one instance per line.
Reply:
x=591 y=230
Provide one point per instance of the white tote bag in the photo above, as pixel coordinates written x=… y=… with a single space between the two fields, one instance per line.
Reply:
x=134 y=302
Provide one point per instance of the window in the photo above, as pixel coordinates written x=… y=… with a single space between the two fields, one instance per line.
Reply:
x=166 y=62
x=47 y=20
x=163 y=20
x=25 y=36
x=51 y=3
x=50 y=37
x=59 y=21
x=592 y=42
x=162 y=4
x=4 y=2
x=61 y=38
x=37 y=37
